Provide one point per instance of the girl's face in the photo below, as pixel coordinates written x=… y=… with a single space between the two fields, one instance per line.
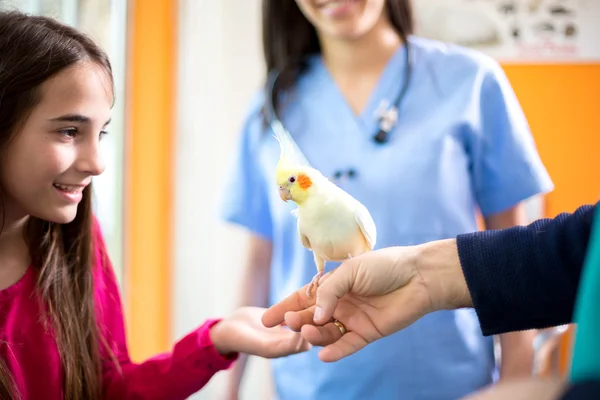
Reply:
x=342 y=19
x=56 y=152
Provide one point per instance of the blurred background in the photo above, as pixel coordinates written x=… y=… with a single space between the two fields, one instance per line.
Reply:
x=185 y=71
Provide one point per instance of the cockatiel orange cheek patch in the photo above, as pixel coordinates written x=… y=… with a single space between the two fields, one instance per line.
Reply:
x=304 y=181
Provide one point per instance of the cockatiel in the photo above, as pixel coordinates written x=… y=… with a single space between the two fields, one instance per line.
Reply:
x=331 y=223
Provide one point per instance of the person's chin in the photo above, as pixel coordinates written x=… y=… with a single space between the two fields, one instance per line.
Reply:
x=348 y=31
x=60 y=215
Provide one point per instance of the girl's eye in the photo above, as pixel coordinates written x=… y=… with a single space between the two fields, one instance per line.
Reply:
x=70 y=132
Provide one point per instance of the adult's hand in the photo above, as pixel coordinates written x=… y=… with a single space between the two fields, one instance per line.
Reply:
x=374 y=295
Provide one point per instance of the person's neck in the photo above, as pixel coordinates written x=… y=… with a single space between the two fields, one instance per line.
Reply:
x=14 y=253
x=366 y=55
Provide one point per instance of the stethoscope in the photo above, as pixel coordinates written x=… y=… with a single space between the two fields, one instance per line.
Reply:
x=387 y=116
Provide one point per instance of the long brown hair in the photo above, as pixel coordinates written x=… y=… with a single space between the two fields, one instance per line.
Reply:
x=288 y=37
x=32 y=50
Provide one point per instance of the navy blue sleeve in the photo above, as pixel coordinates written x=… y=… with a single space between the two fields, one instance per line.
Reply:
x=586 y=390
x=526 y=277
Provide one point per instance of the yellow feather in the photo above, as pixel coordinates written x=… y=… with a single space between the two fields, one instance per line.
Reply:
x=290 y=155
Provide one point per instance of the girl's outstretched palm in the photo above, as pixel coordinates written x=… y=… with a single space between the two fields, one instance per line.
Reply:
x=243 y=332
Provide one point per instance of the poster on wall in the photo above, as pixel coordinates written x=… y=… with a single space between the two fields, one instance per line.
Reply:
x=516 y=31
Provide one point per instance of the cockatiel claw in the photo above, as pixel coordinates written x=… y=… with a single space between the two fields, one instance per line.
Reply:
x=314 y=283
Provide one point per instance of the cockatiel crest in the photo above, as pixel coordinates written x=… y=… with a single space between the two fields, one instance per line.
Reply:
x=331 y=223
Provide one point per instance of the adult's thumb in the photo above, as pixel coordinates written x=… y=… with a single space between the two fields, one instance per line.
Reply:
x=333 y=288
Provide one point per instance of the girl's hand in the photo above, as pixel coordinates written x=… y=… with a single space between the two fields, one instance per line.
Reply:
x=244 y=332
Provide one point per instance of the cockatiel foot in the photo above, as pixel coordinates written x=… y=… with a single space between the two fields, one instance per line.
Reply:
x=314 y=283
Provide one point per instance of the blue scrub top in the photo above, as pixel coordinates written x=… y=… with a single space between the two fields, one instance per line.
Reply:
x=461 y=143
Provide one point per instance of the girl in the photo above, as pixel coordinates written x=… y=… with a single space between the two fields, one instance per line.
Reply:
x=61 y=322
x=460 y=143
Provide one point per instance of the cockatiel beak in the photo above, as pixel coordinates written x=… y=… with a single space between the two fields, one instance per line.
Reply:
x=284 y=193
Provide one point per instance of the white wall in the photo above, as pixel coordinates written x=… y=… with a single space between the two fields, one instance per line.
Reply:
x=220 y=67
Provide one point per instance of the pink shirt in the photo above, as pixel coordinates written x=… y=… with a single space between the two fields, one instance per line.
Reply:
x=32 y=356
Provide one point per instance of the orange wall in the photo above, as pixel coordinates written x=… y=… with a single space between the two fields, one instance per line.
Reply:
x=149 y=191
x=562 y=104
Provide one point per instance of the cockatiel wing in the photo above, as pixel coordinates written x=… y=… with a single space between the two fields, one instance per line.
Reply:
x=366 y=224
x=304 y=240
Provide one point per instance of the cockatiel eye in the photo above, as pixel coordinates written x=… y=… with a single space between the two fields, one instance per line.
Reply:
x=292 y=179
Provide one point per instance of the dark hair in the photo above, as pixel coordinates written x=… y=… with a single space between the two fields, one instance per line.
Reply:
x=32 y=50
x=288 y=37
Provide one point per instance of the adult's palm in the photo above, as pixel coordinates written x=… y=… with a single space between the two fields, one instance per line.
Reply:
x=373 y=295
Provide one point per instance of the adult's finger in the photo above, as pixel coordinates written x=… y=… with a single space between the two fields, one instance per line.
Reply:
x=333 y=288
x=275 y=314
x=321 y=335
x=295 y=319
x=336 y=345
x=344 y=310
